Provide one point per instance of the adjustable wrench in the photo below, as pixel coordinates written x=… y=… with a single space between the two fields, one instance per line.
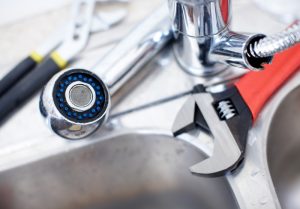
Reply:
x=228 y=116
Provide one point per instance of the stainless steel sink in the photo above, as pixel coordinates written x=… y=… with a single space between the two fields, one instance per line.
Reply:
x=149 y=169
x=127 y=171
x=284 y=150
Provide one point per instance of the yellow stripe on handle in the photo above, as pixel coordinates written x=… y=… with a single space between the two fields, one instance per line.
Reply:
x=61 y=62
x=36 y=57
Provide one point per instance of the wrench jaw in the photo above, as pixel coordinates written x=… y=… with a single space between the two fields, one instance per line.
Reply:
x=190 y=116
x=185 y=119
x=224 y=116
x=212 y=167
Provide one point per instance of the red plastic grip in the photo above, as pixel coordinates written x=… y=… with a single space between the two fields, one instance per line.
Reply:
x=257 y=88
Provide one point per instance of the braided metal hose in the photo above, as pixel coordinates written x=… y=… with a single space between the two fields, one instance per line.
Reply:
x=273 y=44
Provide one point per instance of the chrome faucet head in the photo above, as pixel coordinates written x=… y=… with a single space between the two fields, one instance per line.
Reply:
x=204 y=44
x=75 y=103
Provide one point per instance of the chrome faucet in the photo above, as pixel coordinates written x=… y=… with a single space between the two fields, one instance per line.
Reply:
x=204 y=41
x=203 y=45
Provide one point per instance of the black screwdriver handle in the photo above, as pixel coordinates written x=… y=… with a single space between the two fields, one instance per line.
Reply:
x=27 y=87
x=18 y=72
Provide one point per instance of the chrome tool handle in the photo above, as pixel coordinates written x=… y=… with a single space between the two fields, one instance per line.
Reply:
x=135 y=50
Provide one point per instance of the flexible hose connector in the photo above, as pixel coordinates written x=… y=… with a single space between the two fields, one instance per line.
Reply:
x=271 y=45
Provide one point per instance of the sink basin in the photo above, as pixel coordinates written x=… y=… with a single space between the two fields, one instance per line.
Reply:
x=284 y=151
x=131 y=170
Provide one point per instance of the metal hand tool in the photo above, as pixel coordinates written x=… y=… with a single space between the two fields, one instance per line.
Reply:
x=228 y=116
x=75 y=40
x=101 y=22
x=75 y=103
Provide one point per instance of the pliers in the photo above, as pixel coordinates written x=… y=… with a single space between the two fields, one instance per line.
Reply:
x=100 y=22
x=228 y=116
x=35 y=70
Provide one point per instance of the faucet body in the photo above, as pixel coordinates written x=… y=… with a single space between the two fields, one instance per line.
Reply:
x=204 y=42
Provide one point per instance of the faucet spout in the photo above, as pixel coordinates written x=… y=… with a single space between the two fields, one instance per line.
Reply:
x=235 y=49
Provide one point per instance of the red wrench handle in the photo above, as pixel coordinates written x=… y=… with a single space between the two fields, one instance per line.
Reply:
x=257 y=88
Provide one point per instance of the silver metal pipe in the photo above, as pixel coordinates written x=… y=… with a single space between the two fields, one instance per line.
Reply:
x=273 y=44
x=198 y=18
x=135 y=50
